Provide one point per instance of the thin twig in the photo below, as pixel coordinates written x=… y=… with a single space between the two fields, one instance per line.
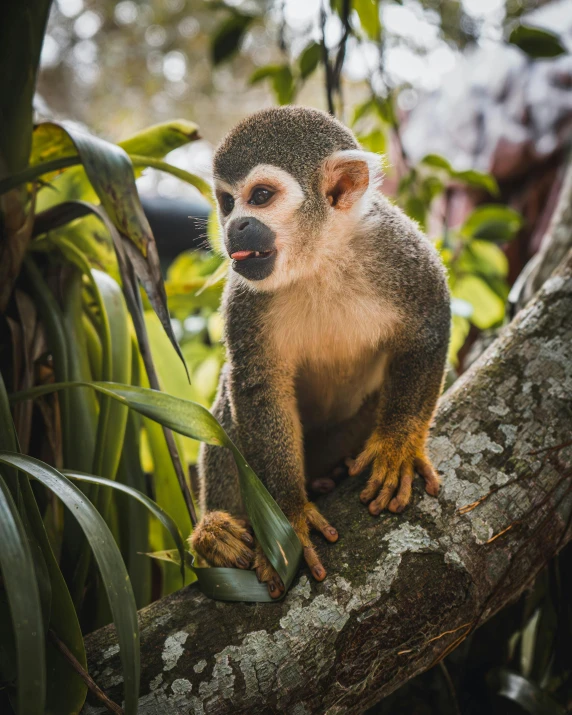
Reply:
x=326 y=61
x=435 y=638
x=450 y=687
x=446 y=633
x=555 y=448
x=83 y=674
x=496 y=536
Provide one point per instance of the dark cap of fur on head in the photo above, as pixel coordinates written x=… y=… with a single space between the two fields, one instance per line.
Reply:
x=296 y=139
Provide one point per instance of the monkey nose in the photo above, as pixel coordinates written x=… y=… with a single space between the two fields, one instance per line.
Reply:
x=252 y=246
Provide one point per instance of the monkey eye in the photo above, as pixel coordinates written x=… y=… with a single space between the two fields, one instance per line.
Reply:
x=260 y=196
x=226 y=203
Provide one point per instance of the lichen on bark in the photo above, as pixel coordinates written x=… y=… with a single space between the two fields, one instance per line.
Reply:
x=400 y=590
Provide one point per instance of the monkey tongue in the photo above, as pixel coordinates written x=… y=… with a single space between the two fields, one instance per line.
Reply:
x=244 y=255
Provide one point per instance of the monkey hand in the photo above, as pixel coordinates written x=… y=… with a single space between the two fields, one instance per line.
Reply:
x=309 y=518
x=392 y=470
x=222 y=540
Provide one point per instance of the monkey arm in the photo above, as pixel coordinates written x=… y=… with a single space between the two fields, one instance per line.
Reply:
x=268 y=428
x=268 y=425
x=407 y=403
x=218 y=475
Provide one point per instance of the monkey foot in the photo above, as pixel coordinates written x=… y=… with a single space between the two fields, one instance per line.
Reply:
x=327 y=484
x=267 y=574
x=389 y=485
x=223 y=540
x=309 y=518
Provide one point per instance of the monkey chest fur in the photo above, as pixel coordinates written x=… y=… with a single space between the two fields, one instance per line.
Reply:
x=331 y=393
x=335 y=343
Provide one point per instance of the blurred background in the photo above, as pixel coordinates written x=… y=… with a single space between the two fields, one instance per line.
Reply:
x=469 y=102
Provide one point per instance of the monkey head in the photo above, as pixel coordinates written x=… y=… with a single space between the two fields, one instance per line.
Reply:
x=290 y=184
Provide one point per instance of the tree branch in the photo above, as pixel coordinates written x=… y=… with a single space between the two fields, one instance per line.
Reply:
x=402 y=591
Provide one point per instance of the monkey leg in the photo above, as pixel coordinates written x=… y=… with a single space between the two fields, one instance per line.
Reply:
x=222 y=540
x=328 y=449
x=392 y=472
x=221 y=537
x=396 y=448
x=327 y=483
x=310 y=518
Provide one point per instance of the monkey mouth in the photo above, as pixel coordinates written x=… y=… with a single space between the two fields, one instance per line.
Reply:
x=251 y=245
x=247 y=255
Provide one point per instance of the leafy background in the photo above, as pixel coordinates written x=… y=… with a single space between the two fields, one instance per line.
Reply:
x=83 y=299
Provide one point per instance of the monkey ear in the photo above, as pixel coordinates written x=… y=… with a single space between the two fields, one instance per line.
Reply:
x=346 y=175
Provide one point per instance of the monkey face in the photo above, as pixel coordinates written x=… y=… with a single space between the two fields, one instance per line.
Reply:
x=258 y=216
x=276 y=231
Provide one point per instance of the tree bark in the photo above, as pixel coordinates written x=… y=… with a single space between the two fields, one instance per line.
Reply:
x=556 y=243
x=402 y=591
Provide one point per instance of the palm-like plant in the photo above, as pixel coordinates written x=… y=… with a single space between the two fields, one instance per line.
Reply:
x=75 y=248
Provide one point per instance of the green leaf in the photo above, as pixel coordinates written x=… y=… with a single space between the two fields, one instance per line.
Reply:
x=368 y=13
x=488 y=308
x=19 y=577
x=460 y=327
x=115 y=338
x=263 y=73
x=112 y=417
x=110 y=173
x=53 y=151
x=375 y=141
x=155 y=509
x=362 y=110
x=52 y=319
x=273 y=531
x=492 y=222
x=309 y=59
x=167 y=493
x=192 y=179
x=536 y=43
x=173 y=556
x=437 y=162
x=470 y=177
x=416 y=209
x=66 y=691
x=227 y=37
x=160 y=139
x=282 y=81
x=134 y=527
x=283 y=85
x=477 y=179
x=225 y=584
x=108 y=557
x=483 y=258
x=83 y=405
x=22 y=27
x=526 y=694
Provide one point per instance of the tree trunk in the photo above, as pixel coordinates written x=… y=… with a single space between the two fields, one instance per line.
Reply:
x=402 y=591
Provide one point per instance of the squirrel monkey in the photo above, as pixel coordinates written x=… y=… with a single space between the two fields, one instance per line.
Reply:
x=337 y=328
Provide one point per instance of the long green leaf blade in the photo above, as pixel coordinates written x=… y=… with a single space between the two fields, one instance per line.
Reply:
x=154 y=508
x=271 y=527
x=65 y=691
x=143 y=162
x=113 y=572
x=160 y=139
x=19 y=577
x=21 y=35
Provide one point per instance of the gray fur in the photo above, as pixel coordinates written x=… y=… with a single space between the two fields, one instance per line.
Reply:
x=295 y=139
x=257 y=400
